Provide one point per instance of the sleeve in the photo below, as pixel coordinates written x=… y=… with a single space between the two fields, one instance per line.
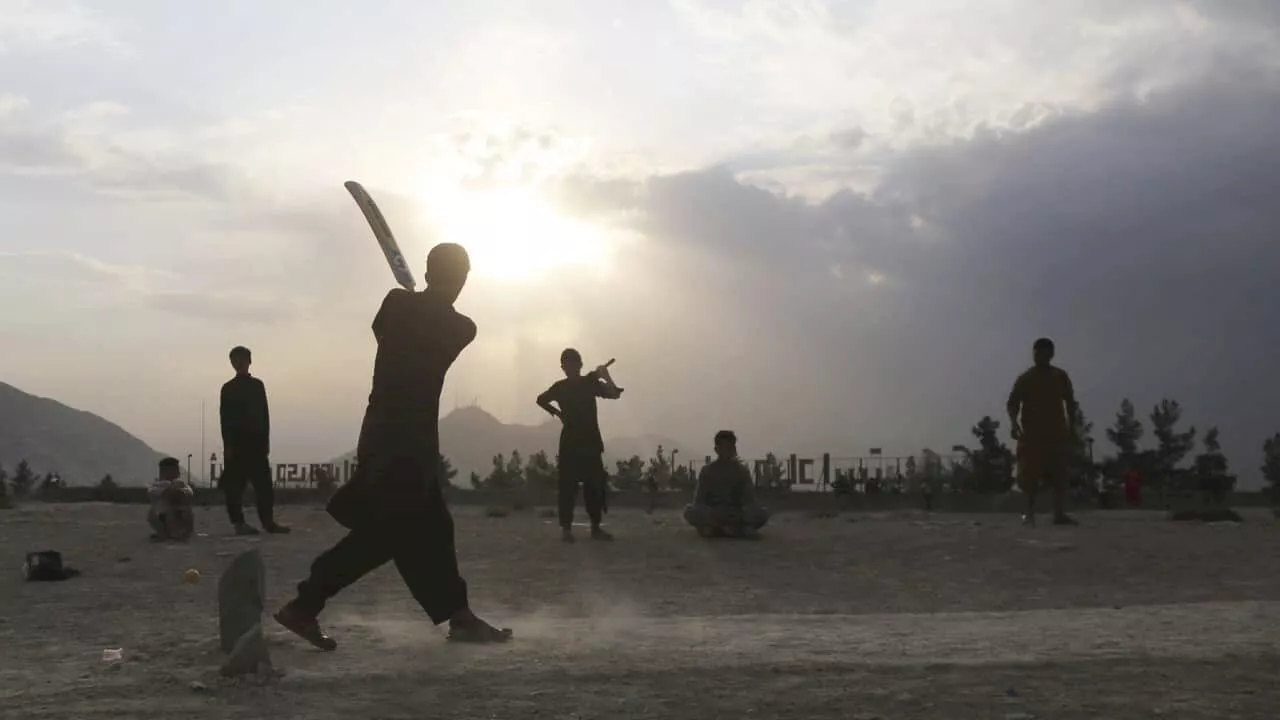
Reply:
x=700 y=492
x=551 y=394
x=457 y=331
x=601 y=389
x=1016 y=396
x=748 y=486
x=266 y=411
x=1068 y=391
x=157 y=489
x=389 y=312
x=225 y=414
x=186 y=490
x=466 y=331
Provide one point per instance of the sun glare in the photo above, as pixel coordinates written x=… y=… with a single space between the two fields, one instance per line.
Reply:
x=512 y=234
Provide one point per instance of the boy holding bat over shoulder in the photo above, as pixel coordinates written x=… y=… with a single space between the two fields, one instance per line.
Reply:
x=581 y=458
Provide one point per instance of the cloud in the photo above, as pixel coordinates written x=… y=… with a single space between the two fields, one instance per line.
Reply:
x=98 y=145
x=1141 y=236
x=53 y=24
x=11 y=104
x=917 y=191
x=914 y=72
x=228 y=307
x=73 y=267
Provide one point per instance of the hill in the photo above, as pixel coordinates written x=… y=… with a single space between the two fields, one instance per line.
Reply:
x=470 y=437
x=78 y=445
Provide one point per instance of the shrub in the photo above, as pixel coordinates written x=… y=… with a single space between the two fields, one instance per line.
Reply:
x=106 y=489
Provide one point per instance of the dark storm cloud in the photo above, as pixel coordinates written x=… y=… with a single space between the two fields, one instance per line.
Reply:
x=1144 y=237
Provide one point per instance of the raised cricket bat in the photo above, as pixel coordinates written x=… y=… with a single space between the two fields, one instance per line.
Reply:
x=382 y=232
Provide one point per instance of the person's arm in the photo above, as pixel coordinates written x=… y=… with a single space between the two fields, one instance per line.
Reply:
x=748 y=492
x=226 y=416
x=455 y=332
x=157 y=489
x=605 y=388
x=1069 y=400
x=388 y=311
x=547 y=397
x=1014 y=407
x=465 y=332
x=266 y=415
x=703 y=488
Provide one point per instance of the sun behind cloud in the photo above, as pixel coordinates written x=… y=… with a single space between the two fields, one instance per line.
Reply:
x=513 y=234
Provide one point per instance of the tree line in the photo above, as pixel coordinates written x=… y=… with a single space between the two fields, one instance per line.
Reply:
x=988 y=468
x=659 y=473
x=25 y=482
x=1167 y=465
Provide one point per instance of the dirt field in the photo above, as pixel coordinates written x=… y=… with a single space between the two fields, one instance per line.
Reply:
x=965 y=617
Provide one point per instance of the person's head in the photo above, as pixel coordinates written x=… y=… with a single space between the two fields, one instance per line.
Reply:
x=170 y=469
x=241 y=359
x=1042 y=351
x=447 y=268
x=571 y=362
x=726 y=445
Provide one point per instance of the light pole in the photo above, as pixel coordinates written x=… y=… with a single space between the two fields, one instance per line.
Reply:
x=188 y=468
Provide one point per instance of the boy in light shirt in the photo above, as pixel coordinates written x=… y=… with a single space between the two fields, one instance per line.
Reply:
x=170 y=515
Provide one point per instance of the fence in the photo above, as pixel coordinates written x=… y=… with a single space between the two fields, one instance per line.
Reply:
x=779 y=501
x=297 y=475
x=865 y=473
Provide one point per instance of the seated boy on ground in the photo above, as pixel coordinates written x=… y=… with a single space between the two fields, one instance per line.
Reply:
x=170 y=515
x=724 y=504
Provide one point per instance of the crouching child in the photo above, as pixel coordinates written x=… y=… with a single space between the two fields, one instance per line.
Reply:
x=724 y=504
x=170 y=516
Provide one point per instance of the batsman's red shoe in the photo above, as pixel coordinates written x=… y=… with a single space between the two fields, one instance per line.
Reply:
x=305 y=626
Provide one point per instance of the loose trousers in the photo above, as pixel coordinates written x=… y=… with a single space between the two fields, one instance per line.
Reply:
x=389 y=522
x=241 y=472
x=587 y=470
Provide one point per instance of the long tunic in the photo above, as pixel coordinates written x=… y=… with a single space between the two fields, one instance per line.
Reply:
x=725 y=484
x=244 y=417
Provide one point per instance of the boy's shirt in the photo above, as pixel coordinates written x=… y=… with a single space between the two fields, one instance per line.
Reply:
x=576 y=397
x=725 y=484
x=244 y=416
x=419 y=337
x=161 y=490
x=1042 y=395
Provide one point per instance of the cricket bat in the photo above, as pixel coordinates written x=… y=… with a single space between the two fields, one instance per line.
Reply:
x=382 y=232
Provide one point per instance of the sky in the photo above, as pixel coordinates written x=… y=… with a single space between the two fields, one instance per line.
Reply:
x=826 y=225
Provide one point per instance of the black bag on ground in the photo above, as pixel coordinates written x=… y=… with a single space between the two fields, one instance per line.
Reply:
x=46 y=565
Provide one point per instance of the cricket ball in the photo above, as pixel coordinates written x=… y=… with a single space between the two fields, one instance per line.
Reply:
x=191 y=577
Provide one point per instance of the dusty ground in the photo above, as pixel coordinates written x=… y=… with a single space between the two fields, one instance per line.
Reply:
x=1128 y=616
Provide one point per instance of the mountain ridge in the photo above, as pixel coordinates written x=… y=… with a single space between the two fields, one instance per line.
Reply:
x=79 y=446
x=470 y=437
